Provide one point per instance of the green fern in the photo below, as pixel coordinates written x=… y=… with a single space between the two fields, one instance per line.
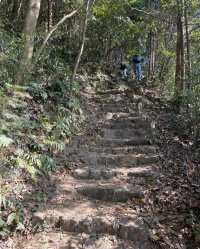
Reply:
x=73 y=87
x=26 y=162
x=2 y=223
x=38 y=162
x=74 y=104
x=55 y=145
x=38 y=91
x=67 y=124
x=63 y=126
x=47 y=163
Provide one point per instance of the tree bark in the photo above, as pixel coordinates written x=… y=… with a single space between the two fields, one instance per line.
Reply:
x=82 y=42
x=179 y=78
x=152 y=55
x=15 y=9
x=188 y=64
x=153 y=5
x=50 y=14
x=15 y=13
x=28 y=33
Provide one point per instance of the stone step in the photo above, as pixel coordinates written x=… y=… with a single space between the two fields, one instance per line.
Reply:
x=139 y=149
x=117 y=107
x=124 y=142
x=85 y=218
x=111 y=190
x=113 y=92
x=111 y=193
x=105 y=173
x=130 y=118
x=131 y=123
x=118 y=115
x=94 y=159
x=125 y=133
x=63 y=240
x=128 y=161
x=114 y=99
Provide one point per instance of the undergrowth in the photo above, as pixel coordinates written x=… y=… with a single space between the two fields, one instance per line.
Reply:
x=36 y=122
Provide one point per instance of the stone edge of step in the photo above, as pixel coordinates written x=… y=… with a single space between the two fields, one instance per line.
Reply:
x=92 y=173
x=110 y=193
x=122 y=227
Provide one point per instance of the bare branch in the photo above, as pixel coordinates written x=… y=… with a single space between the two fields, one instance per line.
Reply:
x=154 y=14
x=53 y=29
x=83 y=40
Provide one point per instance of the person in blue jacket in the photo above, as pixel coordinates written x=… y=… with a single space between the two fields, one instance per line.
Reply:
x=137 y=60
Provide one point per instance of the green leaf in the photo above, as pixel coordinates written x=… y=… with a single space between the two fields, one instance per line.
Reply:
x=4 y=232
x=2 y=223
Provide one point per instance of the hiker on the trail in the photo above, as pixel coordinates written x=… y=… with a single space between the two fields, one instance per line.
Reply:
x=137 y=59
x=124 y=70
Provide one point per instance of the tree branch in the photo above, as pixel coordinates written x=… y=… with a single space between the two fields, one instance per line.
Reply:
x=154 y=14
x=83 y=40
x=53 y=29
x=143 y=11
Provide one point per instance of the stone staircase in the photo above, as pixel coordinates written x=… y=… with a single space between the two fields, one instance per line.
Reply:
x=98 y=206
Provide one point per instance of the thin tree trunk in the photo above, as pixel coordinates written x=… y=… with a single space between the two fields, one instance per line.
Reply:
x=152 y=5
x=28 y=32
x=188 y=65
x=15 y=9
x=83 y=41
x=179 y=79
x=20 y=8
x=152 y=55
x=50 y=14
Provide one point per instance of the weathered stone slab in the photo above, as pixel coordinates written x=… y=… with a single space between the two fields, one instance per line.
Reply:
x=110 y=193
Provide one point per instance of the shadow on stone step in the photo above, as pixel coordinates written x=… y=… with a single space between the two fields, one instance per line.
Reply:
x=110 y=193
x=126 y=142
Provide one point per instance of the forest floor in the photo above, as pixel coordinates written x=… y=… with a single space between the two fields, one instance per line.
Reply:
x=128 y=183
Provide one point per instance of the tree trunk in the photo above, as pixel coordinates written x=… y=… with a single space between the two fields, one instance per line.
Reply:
x=188 y=58
x=50 y=14
x=152 y=55
x=82 y=42
x=152 y=5
x=179 y=79
x=15 y=9
x=28 y=33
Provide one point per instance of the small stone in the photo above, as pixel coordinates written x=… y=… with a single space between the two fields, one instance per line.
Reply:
x=81 y=173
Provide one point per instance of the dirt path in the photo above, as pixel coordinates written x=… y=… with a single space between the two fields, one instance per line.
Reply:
x=101 y=203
